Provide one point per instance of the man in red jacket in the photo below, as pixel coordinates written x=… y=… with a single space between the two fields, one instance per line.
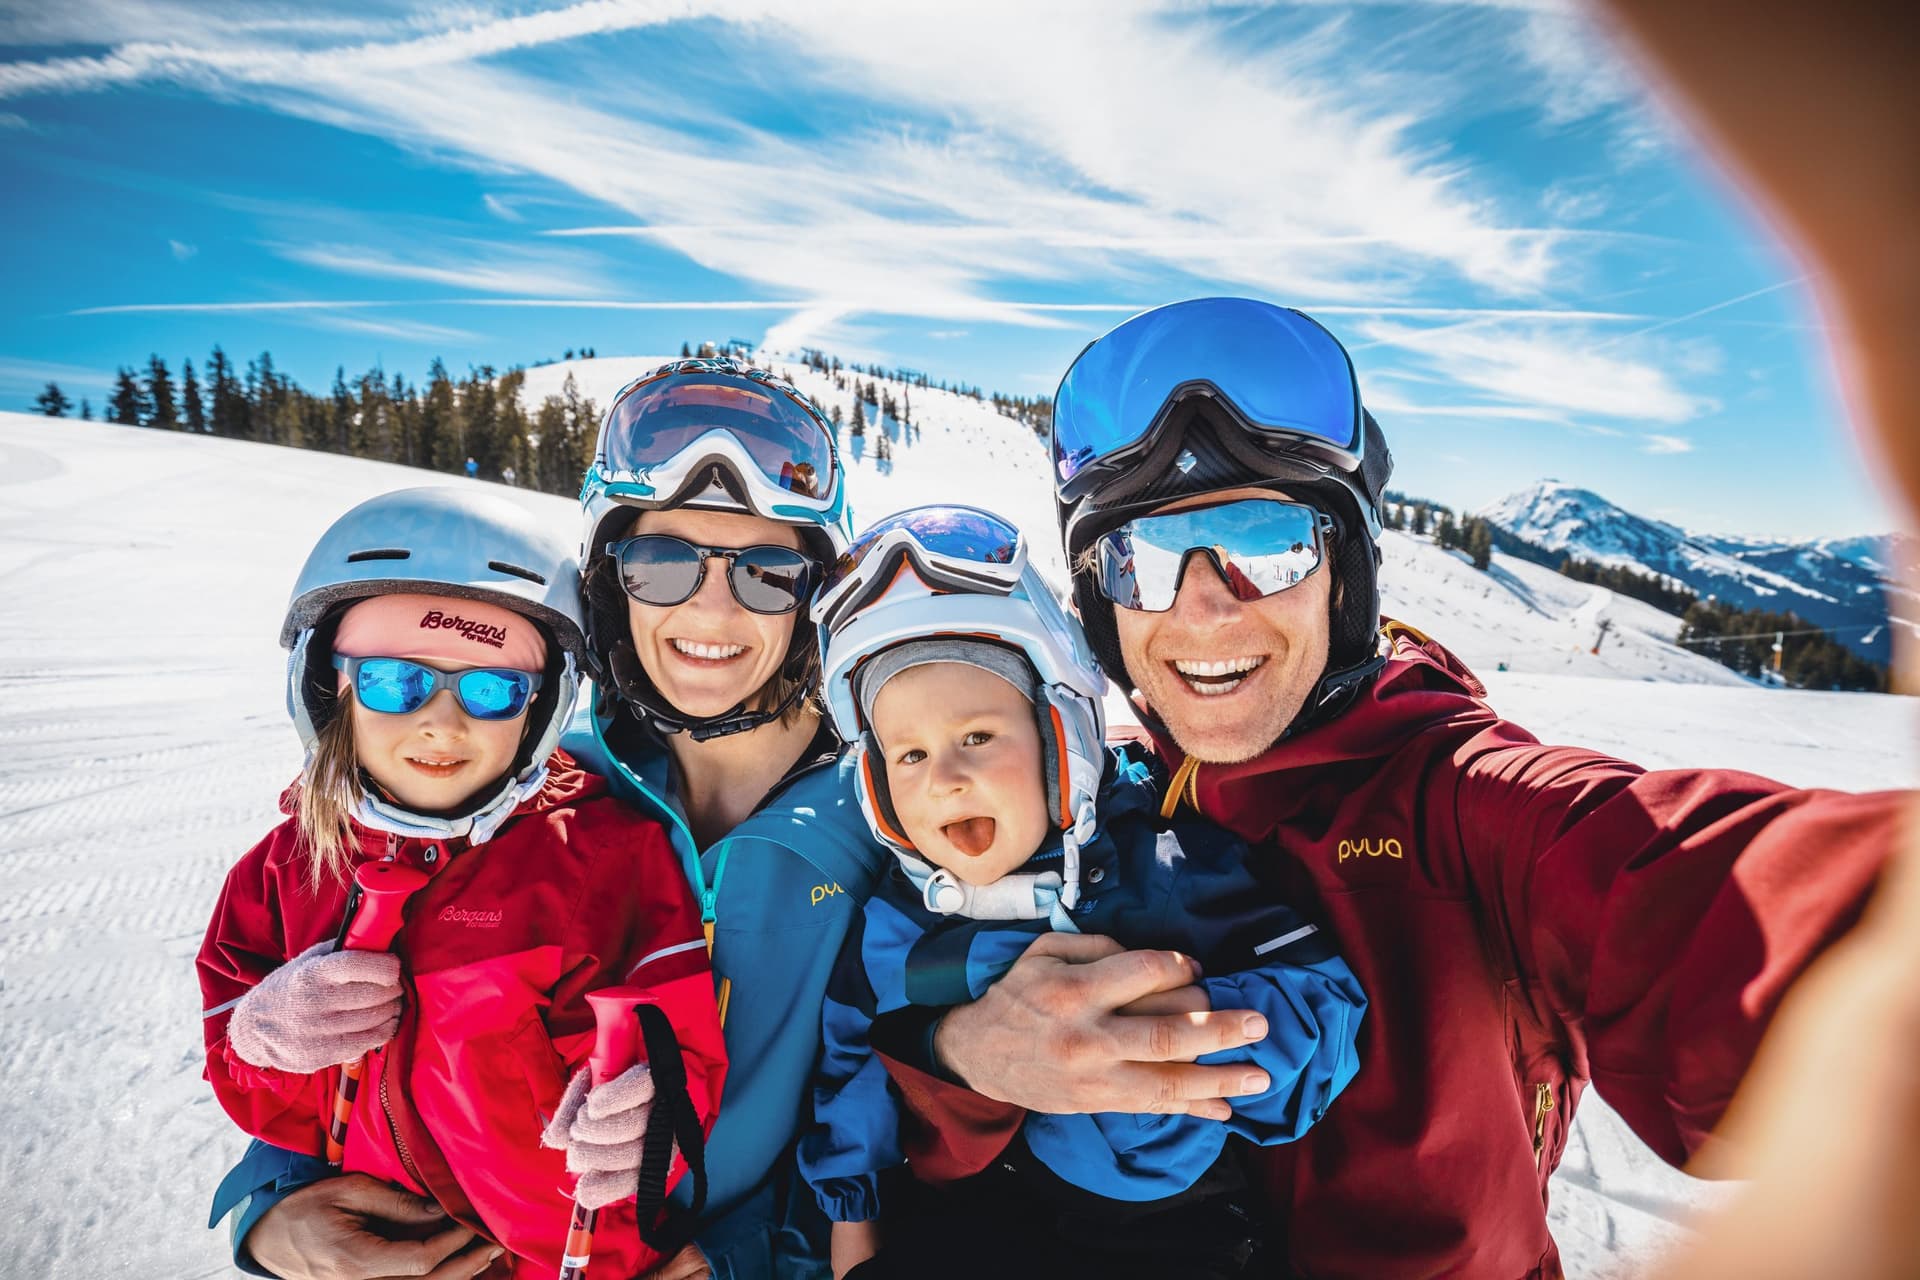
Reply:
x=1525 y=919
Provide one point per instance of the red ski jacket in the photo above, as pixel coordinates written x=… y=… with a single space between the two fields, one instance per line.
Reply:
x=1525 y=920
x=576 y=892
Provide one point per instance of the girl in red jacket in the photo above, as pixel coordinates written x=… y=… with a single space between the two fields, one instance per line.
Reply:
x=434 y=636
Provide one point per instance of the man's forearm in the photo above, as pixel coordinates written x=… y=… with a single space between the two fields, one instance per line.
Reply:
x=264 y=1176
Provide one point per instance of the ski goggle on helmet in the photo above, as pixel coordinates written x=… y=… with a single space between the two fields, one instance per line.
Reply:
x=666 y=433
x=1283 y=380
x=1258 y=546
x=959 y=572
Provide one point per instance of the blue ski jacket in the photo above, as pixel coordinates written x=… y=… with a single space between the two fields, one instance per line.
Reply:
x=780 y=892
x=1147 y=883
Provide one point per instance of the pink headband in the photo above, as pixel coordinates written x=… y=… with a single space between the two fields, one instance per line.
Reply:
x=443 y=629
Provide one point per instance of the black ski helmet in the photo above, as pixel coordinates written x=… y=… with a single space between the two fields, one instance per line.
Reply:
x=1194 y=398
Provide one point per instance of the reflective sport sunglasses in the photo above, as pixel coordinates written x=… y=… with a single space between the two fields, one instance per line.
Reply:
x=1257 y=545
x=659 y=570
x=398 y=687
x=1280 y=374
x=955 y=547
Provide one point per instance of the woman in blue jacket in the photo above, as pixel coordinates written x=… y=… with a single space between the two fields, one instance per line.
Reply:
x=714 y=503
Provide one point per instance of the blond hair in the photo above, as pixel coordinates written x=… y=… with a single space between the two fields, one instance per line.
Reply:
x=329 y=795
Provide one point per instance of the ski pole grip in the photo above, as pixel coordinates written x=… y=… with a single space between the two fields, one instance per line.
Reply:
x=616 y=1032
x=384 y=890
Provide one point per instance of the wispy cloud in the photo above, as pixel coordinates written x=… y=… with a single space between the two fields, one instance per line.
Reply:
x=1666 y=444
x=1058 y=137
x=330 y=304
x=500 y=209
x=479 y=267
x=400 y=330
x=1547 y=370
x=181 y=250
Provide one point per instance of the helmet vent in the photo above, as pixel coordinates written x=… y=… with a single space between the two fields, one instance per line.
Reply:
x=501 y=566
x=389 y=553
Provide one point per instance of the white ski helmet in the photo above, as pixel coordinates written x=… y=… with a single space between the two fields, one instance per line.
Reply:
x=442 y=541
x=959 y=573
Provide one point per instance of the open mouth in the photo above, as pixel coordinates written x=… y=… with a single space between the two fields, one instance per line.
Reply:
x=971 y=836
x=696 y=652
x=436 y=766
x=1212 y=679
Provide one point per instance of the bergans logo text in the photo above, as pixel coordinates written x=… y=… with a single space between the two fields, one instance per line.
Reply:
x=821 y=892
x=471 y=919
x=1387 y=848
x=478 y=632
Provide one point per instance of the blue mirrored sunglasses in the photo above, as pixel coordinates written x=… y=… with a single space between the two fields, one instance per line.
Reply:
x=1257 y=545
x=398 y=687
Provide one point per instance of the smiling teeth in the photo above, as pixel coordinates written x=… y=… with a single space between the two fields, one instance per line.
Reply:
x=1224 y=667
x=696 y=650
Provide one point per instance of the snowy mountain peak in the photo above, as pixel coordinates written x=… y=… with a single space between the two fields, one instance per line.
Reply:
x=1835 y=583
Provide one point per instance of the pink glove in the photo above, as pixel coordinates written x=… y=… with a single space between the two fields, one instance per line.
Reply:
x=318 y=1010
x=600 y=1130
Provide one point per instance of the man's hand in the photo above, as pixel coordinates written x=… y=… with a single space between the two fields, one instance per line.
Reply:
x=339 y=1228
x=1080 y=1024
x=688 y=1264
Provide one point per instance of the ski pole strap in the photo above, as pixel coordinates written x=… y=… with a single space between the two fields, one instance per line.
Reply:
x=663 y=1226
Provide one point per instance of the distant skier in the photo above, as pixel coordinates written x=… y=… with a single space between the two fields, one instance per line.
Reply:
x=538 y=888
x=473 y=469
x=507 y=475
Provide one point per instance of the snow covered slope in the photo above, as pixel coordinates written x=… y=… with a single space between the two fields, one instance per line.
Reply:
x=143 y=743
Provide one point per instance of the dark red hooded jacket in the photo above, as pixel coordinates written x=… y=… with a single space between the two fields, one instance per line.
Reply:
x=1525 y=920
x=574 y=893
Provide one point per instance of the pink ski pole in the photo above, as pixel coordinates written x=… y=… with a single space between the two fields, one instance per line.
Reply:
x=374 y=914
x=616 y=1046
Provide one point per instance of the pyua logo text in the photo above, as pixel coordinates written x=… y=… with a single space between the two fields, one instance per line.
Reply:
x=479 y=632
x=471 y=919
x=1385 y=848
x=821 y=892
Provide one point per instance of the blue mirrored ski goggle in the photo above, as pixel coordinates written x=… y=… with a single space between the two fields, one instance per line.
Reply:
x=1258 y=546
x=398 y=687
x=1278 y=372
x=952 y=547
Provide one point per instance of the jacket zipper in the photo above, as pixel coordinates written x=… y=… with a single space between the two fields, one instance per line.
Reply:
x=1543 y=1105
x=393 y=1130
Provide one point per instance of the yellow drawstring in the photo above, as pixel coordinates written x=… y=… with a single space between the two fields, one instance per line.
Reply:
x=1185 y=778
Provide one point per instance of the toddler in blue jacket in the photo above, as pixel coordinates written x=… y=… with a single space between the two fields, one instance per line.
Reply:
x=974 y=706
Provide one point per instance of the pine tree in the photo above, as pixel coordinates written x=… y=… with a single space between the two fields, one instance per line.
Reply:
x=341 y=413
x=686 y=352
x=166 y=412
x=859 y=428
x=86 y=409
x=1420 y=518
x=1480 y=544
x=227 y=405
x=838 y=421
x=193 y=409
x=883 y=449
x=53 y=402
x=128 y=406
x=441 y=432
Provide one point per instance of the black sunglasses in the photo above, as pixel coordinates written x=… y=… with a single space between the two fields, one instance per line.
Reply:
x=659 y=570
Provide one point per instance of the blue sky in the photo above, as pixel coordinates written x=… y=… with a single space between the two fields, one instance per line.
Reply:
x=1534 y=271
